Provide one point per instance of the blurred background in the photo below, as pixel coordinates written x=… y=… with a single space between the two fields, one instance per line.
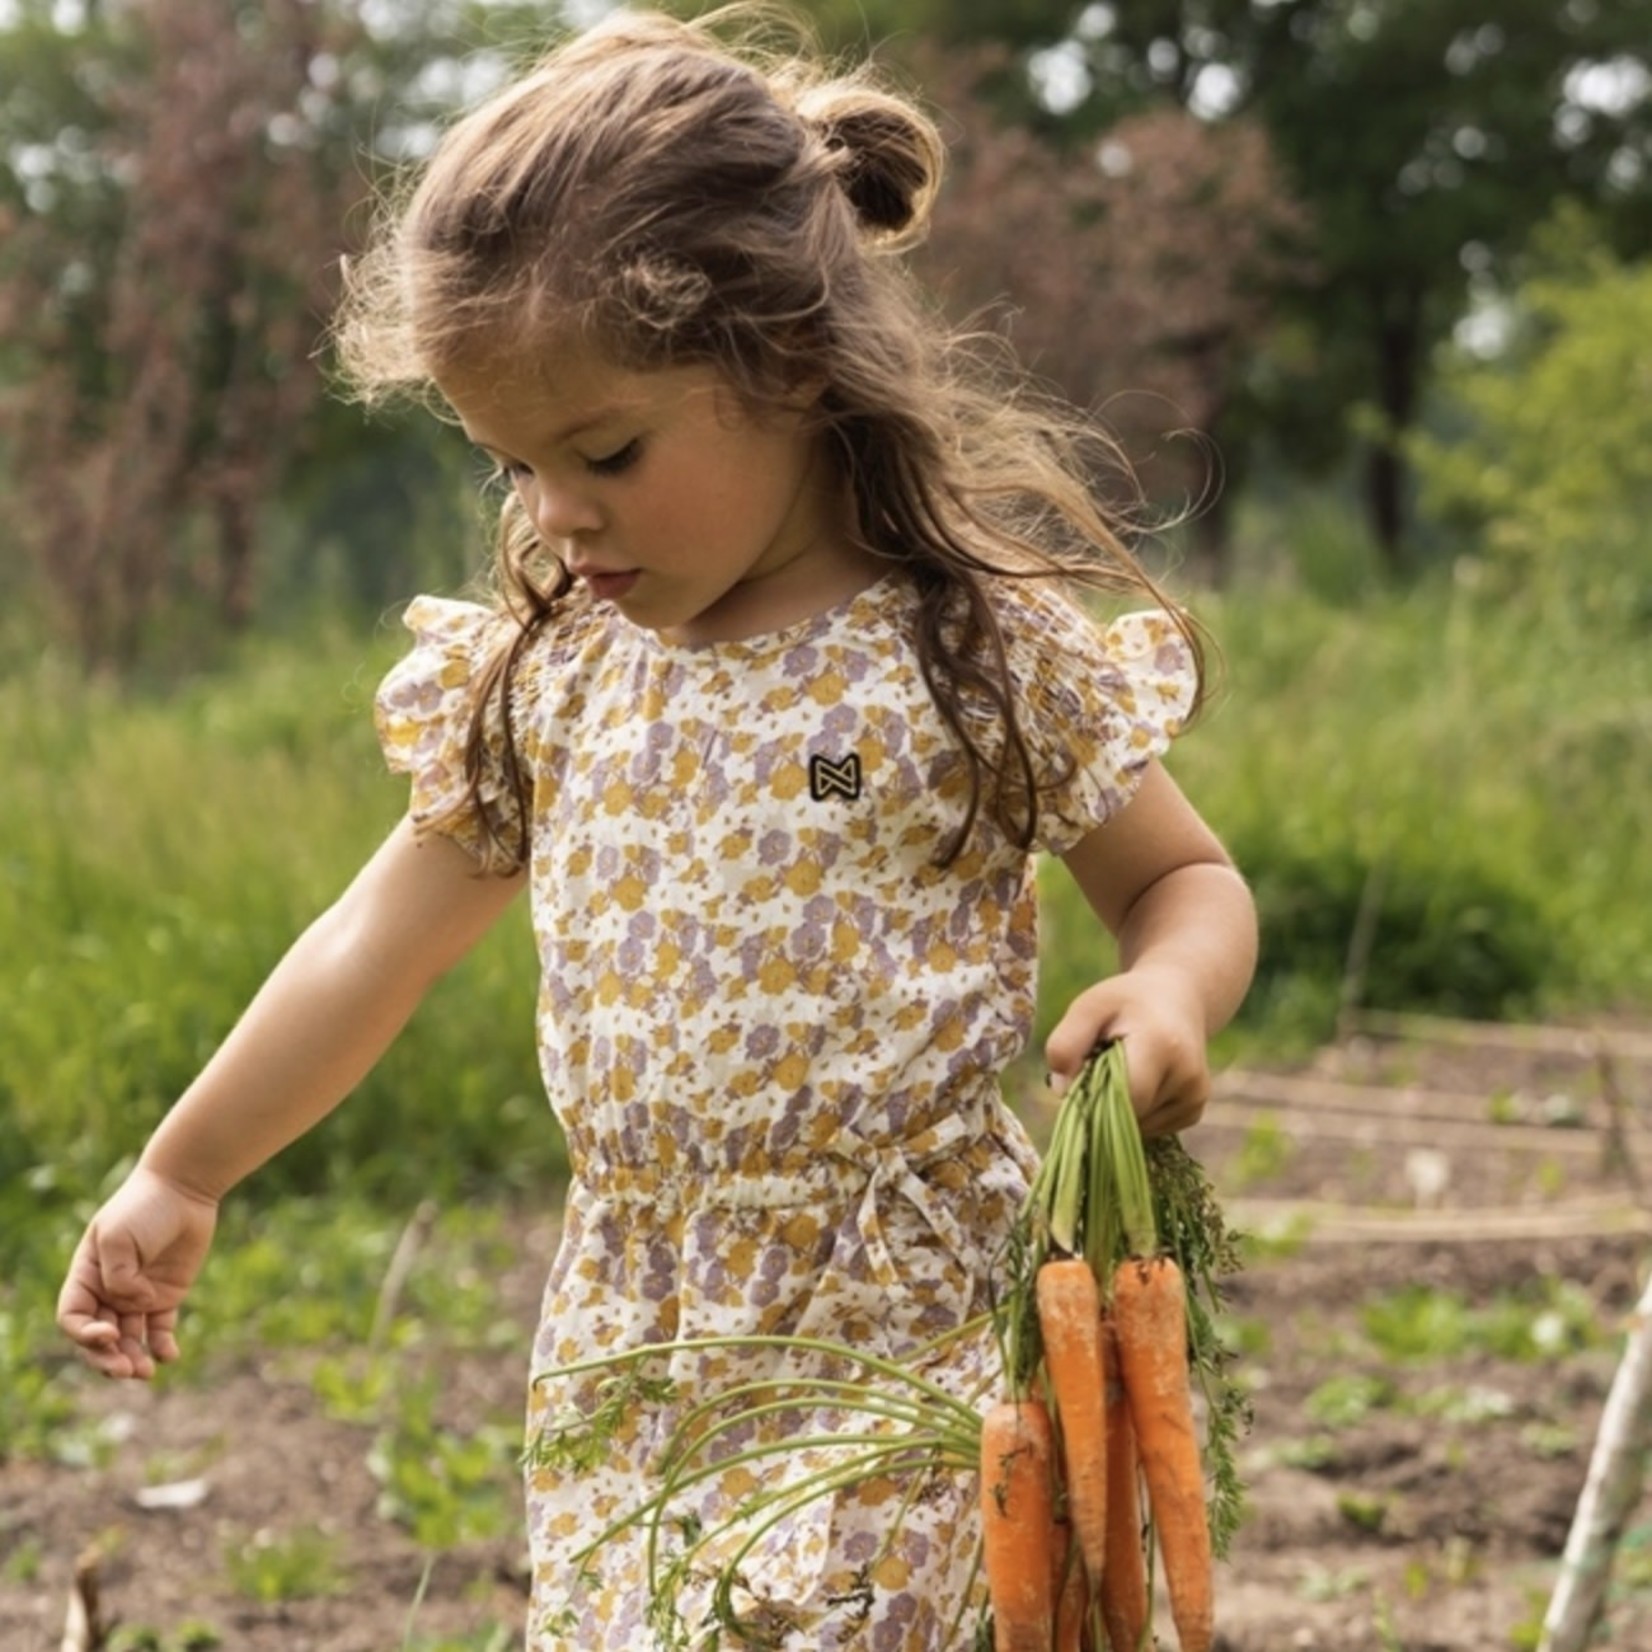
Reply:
x=1362 y=285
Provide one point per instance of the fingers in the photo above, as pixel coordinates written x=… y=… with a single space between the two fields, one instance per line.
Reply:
x=163 y=1336
x=102 y=1310
x=1068 y=1047
x=1169 y=1071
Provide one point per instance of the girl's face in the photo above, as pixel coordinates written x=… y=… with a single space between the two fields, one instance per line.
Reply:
x=664 y=496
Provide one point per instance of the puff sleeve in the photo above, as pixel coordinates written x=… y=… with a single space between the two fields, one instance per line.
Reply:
x=1098 y=703
x=423 y=712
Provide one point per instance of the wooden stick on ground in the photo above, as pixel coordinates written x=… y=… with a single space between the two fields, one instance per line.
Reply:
x=1617 y=1470
x=83 y=1627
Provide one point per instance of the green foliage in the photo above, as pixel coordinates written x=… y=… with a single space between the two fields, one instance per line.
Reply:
x=1416 y=1323
x=1451 y=760
x=494 y=1638
x=447 y=1486
x=156 y=857
x=193 y=1635
x=270 y=1567
x=1553 y=470
x=1342 y=1401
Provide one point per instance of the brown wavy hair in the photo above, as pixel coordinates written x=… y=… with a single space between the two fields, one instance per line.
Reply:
x=674 y=196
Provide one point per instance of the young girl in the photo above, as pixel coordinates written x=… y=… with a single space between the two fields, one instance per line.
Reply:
x=786 y=683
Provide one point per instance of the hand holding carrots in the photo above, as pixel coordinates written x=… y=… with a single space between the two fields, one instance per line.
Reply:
x=1158 y=1017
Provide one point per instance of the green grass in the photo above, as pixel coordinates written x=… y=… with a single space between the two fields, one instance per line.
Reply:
x=156 y=858
x=1465 y=771
x=1462 y=769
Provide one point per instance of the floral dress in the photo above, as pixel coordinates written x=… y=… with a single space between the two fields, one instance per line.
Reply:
x=771 y=1028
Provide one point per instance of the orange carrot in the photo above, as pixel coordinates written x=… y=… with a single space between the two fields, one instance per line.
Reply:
x=1150 y=1318
x=1124 y=1582
x=1018 y=1534
x=1072 y=1593
x=1069 y=1321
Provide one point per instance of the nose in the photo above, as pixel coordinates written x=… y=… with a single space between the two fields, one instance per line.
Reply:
x=557 y=510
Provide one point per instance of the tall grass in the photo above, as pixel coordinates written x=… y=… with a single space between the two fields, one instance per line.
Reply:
x=157 y=856
x=1471 y=775
x=1474 y=780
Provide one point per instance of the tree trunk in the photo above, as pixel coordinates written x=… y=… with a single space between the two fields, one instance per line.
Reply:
x=1212 y=539
x=1399 y=350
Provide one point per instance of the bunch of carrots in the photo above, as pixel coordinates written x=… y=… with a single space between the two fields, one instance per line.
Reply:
x=1097 y=1344
x=1099 y=1331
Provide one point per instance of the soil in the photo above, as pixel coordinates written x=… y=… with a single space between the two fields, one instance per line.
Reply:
x=1418 y=1503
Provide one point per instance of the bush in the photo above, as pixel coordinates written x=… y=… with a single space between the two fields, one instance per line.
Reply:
x=1456 y=939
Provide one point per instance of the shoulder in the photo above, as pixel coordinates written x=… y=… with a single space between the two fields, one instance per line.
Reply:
x=455 y=642
x=1065 y=656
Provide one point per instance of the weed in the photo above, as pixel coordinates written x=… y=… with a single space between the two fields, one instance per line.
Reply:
x=1527 y=1634
x=1314 y=1452
x=445 y=1486
x=1342 y=1401
x=1264 y=1154
x=1476 y=1403
x=1324 y=1583
x=1550 y=1439
x=494 y=1638
x=1278 y=1242
x=22 y=1565
x=1365 y=1513
x=190 y=1636
x=1248 y=1337
x=1418 y=1323
x=270 y=1567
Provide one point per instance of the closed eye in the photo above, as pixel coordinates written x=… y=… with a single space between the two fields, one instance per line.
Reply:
x=622 y=458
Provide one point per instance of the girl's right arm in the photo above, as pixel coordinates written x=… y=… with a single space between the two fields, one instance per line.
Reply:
x=327 y=1012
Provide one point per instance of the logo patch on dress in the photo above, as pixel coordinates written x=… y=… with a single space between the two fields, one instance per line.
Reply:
x=834 y=777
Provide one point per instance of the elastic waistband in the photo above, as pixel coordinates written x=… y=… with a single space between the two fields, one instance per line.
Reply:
x=839 y=1171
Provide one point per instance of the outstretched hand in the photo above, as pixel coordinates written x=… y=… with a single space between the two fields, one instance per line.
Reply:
x=1163 y=1029
x=131 y=1270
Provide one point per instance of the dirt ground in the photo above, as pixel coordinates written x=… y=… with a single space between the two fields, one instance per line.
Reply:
x=1417 y=1502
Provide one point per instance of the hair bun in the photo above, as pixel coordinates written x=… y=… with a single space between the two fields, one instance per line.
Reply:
x=890 y=155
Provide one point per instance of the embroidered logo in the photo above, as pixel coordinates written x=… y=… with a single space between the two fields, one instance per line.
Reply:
x=834 y=777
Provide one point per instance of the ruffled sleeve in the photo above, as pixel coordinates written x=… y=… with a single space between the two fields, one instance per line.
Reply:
x=424 y=711
x=1098 y=703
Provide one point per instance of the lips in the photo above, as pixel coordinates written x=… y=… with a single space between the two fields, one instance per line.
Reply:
x=604 y=584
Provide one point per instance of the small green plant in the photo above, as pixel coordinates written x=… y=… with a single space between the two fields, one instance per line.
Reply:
x=494 y=1638
x=193 y=1635
x=1365 y=1513
x=22 y=1565
x=1418 y=1323
x=1264 y=1154
x=1527 y=1634
x=270 y=1567
x=1344 y=1400
x=445 y=1486
x=1325 y=1583
x=1476 y=1403
x=1313 y=1452
x=1550 y=1439
x=35 y=1407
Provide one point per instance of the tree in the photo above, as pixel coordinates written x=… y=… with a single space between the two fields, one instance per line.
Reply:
x=1548 y=462
x=1142 y=278
x=177 y=181
x=1425 y=137
x=171 y=272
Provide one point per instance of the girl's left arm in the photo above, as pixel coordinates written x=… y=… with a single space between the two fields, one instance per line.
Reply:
x=1160 y=880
